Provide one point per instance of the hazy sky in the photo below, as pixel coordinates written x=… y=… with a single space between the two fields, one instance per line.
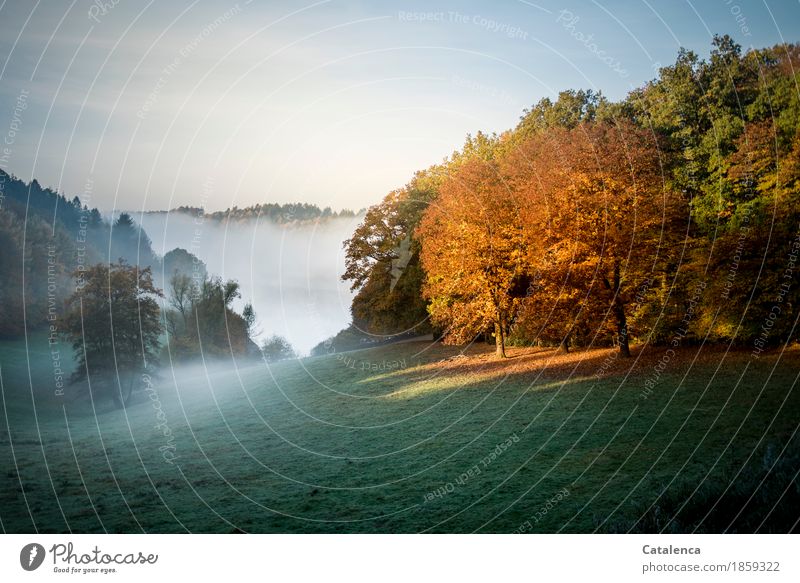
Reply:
x=215 y=104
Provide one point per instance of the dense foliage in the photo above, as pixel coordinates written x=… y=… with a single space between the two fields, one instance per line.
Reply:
x=669 y=217
x=201 y=321
x=113 y=321
x=44 y=237
x=277 y=348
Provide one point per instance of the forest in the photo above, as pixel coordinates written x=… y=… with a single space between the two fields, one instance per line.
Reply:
x=668 y=218
x=96 y=283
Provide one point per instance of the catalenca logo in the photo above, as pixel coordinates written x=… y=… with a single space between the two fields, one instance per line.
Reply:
x=31 y=556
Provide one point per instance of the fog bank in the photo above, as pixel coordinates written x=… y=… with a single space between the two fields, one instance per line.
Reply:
x=291 y=273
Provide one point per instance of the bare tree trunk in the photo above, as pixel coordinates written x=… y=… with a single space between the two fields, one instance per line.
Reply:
x=563 y=347
x=619 y=312
x=500 y=340
x=622 y=330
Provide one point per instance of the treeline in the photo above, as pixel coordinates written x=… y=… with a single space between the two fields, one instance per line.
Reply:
x=201 y=319
x=43 y=236
x=281 y=214
x=66 y=270
x=670 y=217
x=116 y=322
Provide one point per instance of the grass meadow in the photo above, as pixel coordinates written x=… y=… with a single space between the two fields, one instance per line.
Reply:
x=410 y=438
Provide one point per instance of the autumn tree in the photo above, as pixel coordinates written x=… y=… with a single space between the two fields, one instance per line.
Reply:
x=202 y=321
x=729 y=125
x=556 y=304
x=571 y=108
x=621 y=212
x=382 y=260
x=113 y=321
x=472 y=253
x=612 y=219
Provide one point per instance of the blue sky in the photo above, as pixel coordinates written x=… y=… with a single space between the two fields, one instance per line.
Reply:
x=156 y=105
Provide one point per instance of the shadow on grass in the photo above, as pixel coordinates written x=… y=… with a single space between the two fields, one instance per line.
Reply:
x=763 y=498
x=478 y=366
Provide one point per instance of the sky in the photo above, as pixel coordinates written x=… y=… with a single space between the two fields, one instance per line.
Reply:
x=153 y=105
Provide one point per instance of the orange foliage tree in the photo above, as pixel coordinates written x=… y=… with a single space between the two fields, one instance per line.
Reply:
x=473 y=254
x=604 y=221
x=554 y=235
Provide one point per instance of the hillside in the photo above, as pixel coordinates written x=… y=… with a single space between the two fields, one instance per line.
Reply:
x=408 y=438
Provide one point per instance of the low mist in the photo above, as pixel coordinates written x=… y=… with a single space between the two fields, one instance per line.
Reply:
x=290 y=272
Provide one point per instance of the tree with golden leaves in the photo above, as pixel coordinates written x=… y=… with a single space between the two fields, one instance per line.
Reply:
x=472 y=254
x=595 y=201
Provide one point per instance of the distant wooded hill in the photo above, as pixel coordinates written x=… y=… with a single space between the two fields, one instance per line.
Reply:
x=277 y=213
x=47 y=240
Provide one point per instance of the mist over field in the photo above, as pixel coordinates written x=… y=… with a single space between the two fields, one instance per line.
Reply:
x=290 y=272
x=399 y=268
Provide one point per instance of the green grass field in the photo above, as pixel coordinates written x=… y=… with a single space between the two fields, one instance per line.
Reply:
x=404 y=438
